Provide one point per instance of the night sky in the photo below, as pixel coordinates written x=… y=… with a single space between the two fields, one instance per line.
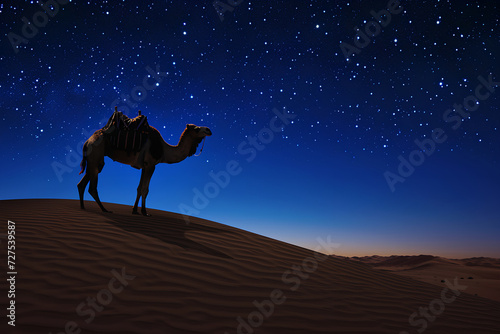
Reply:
x=386 y=144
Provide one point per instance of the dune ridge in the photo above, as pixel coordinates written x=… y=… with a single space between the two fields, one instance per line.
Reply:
x=480 y=274
x=203 y=277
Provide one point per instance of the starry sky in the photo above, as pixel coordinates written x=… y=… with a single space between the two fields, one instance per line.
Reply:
x=386 y=142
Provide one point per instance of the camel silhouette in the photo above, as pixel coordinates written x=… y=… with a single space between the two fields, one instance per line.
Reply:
x=155 y=151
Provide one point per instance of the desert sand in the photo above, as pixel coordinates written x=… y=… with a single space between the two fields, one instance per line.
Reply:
x=481 y=275
x=88 y=272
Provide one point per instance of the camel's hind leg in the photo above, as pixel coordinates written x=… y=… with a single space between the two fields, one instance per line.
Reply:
x=93 y=176
x=81 y=188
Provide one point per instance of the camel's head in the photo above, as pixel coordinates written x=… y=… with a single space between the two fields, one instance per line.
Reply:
x=199 y=131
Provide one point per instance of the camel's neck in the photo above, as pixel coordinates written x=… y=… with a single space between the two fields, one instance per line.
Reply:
x=179 y=152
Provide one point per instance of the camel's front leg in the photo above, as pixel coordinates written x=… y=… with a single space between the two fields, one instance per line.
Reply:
x=139 y=193
x=143 y=189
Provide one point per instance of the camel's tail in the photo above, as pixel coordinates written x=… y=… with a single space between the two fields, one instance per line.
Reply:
x=83 y=164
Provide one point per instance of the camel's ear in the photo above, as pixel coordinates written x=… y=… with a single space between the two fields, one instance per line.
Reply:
x=189 y=126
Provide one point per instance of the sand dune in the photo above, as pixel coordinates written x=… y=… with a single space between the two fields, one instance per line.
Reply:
x=481 y=275
x=397 y=261
x=121 y=273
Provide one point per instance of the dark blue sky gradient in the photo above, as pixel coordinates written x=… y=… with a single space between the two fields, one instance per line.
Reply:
x=323 y=174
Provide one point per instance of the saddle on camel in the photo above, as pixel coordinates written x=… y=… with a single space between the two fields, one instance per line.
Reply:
x=129 y=134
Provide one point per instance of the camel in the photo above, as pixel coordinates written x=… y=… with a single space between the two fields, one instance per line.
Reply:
x=157 y=151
